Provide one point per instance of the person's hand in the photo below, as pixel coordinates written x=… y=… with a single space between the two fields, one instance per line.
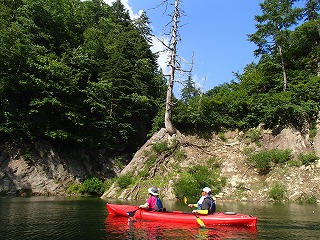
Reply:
x=144 y=206
x=194 y=211
x=190 y=205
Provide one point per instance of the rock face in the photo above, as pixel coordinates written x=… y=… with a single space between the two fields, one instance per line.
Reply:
x=46 y=171
x=316 y=141
x=243 y=181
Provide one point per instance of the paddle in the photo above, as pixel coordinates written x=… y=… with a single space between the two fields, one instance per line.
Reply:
x=131 y=214
x=199 y=221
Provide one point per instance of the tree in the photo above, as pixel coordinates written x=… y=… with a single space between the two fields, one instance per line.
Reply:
x=311 y=10
x=174 y=63
x=189 y=91
x=142 y=24
x=76 y=72
x=272 y=29
x=311 y=14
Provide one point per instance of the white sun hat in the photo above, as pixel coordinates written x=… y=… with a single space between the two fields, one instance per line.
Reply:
x=153 y=191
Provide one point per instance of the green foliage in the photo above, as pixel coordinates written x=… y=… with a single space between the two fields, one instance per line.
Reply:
x=187 y=186
x=92 y=186
x=310 y=199
x=189 y=90
x=84 y=71
x=254 y=135
x=118 y=163
x=277 y=192
x=190 y=183
x=258 y=97
x=160 y=147
x=179 y=155
x=307 y=158
x=312 y=133
x=263 y=160
x=75 y=188
x=214 y=162
x=222 y=136
x=124 y=180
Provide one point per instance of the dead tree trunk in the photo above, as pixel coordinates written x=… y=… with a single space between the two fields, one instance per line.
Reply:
x=172 y=65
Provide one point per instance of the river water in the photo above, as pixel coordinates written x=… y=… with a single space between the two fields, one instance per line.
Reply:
x=53 y=218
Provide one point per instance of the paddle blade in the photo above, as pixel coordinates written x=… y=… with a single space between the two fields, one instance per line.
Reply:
x=200 y=222
x=185 y=200
x=131 y=214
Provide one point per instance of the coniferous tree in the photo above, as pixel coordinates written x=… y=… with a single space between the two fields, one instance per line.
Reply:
x=189 y=90
x=272 y=29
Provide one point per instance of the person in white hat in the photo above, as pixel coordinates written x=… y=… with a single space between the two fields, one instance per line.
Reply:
x=153 y=202
x=206 y=204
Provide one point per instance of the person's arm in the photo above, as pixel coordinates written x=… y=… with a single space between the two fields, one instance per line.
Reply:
x=147 y=204
x=198 y=204
x=201 y=211
x=144 y=206
x=193 y=205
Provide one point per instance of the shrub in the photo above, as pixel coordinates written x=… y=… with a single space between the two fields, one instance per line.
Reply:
x=179 y=155
x=160 y=147
x=311 y=199
x=186 y=185
x=263 y=160
x=75 y=188
x=222 y=136
x=214 y=162
x=118 y=163
x=254 y=135
x=191 y=182
x=277 y=192
x=124 y=180
x=312 y=133
x=307 y=158
x=93 y=186
x=280 y=156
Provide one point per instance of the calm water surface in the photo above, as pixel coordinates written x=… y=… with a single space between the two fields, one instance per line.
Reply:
x=86 y=218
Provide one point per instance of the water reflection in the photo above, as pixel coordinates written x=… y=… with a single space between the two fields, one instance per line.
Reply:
x=53 y=218
x=125 y=228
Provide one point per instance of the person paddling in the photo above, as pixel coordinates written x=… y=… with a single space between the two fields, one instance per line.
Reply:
x=153 y=203
x=206 y=204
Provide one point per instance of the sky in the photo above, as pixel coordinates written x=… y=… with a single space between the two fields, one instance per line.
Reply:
x=214 y=32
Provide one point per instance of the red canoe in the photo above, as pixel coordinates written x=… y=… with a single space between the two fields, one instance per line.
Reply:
x=227 y=218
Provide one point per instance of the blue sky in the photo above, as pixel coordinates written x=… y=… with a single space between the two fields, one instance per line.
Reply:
x=215 y=31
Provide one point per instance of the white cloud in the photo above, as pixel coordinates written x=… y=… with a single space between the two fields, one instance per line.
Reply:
x=158 y=47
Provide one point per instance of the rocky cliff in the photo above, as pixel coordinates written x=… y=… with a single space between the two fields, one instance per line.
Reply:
x=41 y=169
x=244 y=182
